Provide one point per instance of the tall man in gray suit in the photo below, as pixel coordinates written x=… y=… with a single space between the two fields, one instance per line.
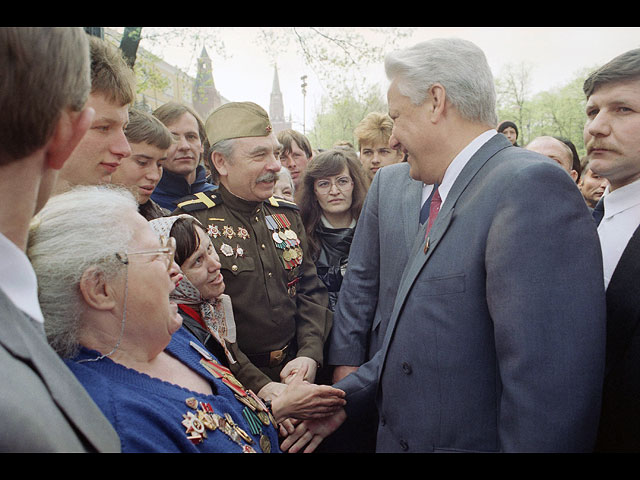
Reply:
x=496 y=339
x=43 y=88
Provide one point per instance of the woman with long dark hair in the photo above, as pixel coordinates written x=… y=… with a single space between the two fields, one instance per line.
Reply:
x=332 y=195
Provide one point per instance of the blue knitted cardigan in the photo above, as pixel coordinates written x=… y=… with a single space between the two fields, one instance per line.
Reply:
x=148 y=412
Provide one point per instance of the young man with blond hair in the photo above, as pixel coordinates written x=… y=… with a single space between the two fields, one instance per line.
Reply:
x=373 y=134
x=104 y=146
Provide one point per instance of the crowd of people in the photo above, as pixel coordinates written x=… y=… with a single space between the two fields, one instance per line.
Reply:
x=179 y=284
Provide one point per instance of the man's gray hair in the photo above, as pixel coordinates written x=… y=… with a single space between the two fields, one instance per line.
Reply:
x=74 y=231
x=458 y=65
x=224 y=147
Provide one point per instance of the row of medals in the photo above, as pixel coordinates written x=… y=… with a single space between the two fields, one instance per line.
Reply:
x=285 y=239
x=228 y=232
x=205 y=418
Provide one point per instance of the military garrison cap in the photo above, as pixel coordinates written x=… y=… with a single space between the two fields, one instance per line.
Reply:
x=237 y=120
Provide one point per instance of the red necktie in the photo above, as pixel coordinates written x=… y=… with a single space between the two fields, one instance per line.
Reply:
x=436 y=201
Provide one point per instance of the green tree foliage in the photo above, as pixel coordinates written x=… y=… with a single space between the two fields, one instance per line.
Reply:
x=557 y=112
x=148 y=77
x=340 y=113
x=560 y=112
x=512 y=90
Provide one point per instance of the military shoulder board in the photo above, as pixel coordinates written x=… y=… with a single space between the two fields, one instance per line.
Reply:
x=199 y=201
x=281 y=202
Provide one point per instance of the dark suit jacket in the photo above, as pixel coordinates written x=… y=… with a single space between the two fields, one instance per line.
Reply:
x=43 y=408
x=496 y=339
x=620 y=421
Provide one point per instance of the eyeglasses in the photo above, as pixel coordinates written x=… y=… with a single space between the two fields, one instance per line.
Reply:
x=167 y=250
x=343 y=184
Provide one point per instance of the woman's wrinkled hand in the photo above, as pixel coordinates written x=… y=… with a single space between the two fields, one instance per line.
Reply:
x=303 y=400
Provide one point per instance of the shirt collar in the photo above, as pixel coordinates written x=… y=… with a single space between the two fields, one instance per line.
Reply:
x=459 y=162
x=18 y=280
x=621 y=198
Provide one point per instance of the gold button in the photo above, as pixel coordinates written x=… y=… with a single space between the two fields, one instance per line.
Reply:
x=262 y=246
x=269 y=274
x=234 y=268
x=257 y=219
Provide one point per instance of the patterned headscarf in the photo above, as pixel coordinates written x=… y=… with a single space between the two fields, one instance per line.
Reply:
x=217 y=314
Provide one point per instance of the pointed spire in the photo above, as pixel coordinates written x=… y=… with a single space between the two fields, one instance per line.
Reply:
x=276 y=105
x=205 y=95
x=276 y=81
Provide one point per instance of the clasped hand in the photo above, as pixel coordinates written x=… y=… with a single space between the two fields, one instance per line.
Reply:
x=297 y=399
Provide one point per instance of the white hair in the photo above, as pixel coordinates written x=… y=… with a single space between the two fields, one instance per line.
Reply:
x=76 y=230
x=284 y=172
x=458 y=65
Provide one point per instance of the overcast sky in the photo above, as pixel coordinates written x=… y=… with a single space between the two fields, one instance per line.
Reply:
x=555 y=55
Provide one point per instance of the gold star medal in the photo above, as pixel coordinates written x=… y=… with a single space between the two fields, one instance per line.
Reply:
x=228 y=232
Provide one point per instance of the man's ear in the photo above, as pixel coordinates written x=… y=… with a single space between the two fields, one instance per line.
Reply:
x=220 y=163
x=574 y=175
x=438 y=96
x=69 y=131
x=96 y=291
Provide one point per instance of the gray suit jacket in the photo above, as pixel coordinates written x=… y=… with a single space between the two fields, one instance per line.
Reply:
x=43 y=408
x=385 y=234
x=496 y=339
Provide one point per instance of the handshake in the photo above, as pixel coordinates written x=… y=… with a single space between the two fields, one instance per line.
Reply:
x=305 y=412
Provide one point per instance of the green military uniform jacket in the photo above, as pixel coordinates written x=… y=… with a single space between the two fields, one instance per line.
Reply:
x=278 y=299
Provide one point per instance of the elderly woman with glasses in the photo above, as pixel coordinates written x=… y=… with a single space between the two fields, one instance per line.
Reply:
x=332 y=195
x=104 y=285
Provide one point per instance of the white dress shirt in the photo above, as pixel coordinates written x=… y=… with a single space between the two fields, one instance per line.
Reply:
x=621 y=218
x=18 y=280
x=426 y=191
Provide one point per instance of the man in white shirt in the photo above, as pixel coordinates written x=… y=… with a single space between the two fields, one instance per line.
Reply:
x=612 y=140
x=496 y=339
x=43 y=88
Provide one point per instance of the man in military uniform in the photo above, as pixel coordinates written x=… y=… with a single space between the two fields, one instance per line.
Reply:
x=280 y=306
